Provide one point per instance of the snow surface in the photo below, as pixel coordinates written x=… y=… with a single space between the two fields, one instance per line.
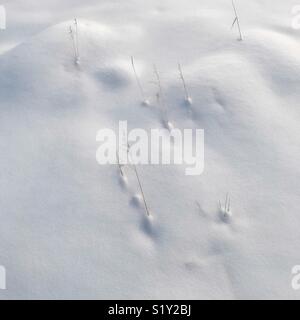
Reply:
x=69 y=228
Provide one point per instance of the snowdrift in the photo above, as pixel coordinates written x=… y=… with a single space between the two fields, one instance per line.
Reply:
x=71 y=229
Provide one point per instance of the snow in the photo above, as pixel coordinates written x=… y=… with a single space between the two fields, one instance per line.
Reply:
x=71 y=228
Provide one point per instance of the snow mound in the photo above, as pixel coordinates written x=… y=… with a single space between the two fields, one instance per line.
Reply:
x=72 y=229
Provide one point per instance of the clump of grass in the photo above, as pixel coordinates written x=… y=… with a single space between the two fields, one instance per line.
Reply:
x=142 y=191
x=140 y=186
x=187 y=99
x=161 y=101
x=226 y=209
x=145 y=102
x=120 y=166
x=236 y=21
x=73 y=31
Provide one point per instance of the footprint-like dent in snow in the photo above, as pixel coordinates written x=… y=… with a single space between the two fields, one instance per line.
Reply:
x=187 y=102
x=192 y=265
x=145 y=103
x=137 y=201
x=201 y=212
x=168 y=125
x=149 y=227
x=112 y=78
x=219 y=104
x=227 y=221
x=225 y=216
x=123 y=181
